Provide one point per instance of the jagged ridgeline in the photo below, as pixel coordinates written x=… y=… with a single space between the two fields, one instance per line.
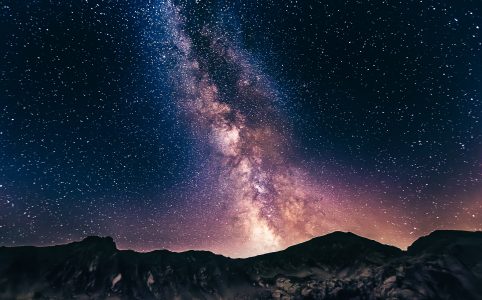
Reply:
x=442 y=265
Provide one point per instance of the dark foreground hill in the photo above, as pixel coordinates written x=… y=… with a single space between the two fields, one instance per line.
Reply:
x=442 y=265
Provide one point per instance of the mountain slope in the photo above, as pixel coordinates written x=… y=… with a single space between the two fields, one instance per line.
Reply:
x=442 y=265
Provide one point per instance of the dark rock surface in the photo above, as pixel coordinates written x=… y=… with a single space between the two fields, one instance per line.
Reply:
x=442 y=265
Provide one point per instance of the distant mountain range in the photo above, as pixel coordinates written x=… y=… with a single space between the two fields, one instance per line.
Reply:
x=442 y=265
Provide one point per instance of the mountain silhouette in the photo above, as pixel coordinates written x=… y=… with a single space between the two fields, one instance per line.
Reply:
x=442 y=265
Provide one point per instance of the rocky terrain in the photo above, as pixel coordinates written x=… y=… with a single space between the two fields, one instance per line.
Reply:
x=442 y=265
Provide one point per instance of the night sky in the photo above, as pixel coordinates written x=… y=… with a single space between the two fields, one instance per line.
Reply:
x=240 y=127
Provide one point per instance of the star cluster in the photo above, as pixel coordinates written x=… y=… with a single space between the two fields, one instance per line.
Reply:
x=240 y=127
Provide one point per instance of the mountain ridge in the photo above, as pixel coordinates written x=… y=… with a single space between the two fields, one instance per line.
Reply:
x=339 y=265
x=109 y=239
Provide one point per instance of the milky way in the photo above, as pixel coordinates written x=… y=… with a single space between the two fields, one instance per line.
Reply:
x=273 y=202
x=239 y=128
x=268 y=198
